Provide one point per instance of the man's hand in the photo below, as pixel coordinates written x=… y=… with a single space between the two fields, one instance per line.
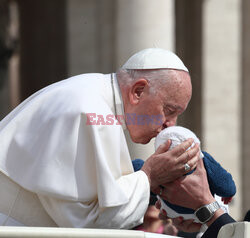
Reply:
x=165 y=166
x=190 y=191
x=179 y=222
x=186 y=225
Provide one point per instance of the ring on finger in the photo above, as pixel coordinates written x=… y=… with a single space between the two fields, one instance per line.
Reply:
x=186 y=167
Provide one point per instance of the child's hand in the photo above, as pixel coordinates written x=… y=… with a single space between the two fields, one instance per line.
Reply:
x=226 y=200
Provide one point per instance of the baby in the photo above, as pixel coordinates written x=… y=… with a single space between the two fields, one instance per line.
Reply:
x=220 y=181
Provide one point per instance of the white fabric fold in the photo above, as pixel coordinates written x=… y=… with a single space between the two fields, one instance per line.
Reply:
x=48 y=148
x=89 y=214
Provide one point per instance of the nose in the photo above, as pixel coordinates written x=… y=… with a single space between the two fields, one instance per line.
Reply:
x=170 y=122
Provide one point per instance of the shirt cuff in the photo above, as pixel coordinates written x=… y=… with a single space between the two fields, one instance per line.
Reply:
x=214 y=228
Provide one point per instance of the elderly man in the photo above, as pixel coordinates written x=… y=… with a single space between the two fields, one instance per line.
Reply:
x=64 y=159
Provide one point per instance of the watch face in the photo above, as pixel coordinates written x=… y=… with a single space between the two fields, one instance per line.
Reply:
x=203 y=214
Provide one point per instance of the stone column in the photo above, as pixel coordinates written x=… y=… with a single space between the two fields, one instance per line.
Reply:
x=14 y=62
x=42 y=44
x=91 y=36
x=5 y=53
x=188 y=30
x=142 y=24
x=245 y=105
x=221 y=88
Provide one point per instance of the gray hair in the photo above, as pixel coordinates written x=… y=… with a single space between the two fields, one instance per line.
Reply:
x=155 y=77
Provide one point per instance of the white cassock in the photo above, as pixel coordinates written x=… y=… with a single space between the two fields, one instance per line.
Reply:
x=82 y=174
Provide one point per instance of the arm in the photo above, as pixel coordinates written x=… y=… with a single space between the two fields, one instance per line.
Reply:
x=90 y=215
x=193 y=191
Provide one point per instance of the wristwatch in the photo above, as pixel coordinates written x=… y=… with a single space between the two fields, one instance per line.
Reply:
x=206 y=212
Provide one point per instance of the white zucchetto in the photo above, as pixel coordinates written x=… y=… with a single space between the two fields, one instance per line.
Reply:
x=154 y=58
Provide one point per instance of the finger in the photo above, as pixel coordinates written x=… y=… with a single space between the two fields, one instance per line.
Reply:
x=189 y=154
x=158 y=204
x=163 y=195
x=159 y=190
x=163 y=215
x=164 y=147
x=200 y=165
x=177 y=221
x=200 y=169
x=168 y=222
x=187 y=223
x=180 y=149
x=193 y=162
x=189 y=227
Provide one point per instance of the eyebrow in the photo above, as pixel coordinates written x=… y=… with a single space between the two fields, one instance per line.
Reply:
x=174 y=106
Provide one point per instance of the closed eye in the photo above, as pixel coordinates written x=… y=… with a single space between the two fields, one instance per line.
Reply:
x=169 y=111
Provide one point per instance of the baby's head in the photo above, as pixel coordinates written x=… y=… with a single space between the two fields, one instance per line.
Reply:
x=177 y=135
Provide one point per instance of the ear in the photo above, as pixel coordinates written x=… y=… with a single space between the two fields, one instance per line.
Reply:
x=137 y=90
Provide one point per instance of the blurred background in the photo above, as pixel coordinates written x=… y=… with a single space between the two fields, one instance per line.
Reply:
x=44 y=41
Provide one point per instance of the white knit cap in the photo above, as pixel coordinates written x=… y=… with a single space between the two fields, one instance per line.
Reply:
x=177 y=135
x=154 y=58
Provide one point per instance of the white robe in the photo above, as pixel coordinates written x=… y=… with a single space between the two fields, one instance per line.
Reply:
x=82 y=173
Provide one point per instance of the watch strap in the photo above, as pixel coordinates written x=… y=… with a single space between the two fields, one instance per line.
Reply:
x=206 y=212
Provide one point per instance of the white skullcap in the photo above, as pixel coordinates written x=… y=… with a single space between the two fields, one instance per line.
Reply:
x=154 y=58
x=177 y=135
